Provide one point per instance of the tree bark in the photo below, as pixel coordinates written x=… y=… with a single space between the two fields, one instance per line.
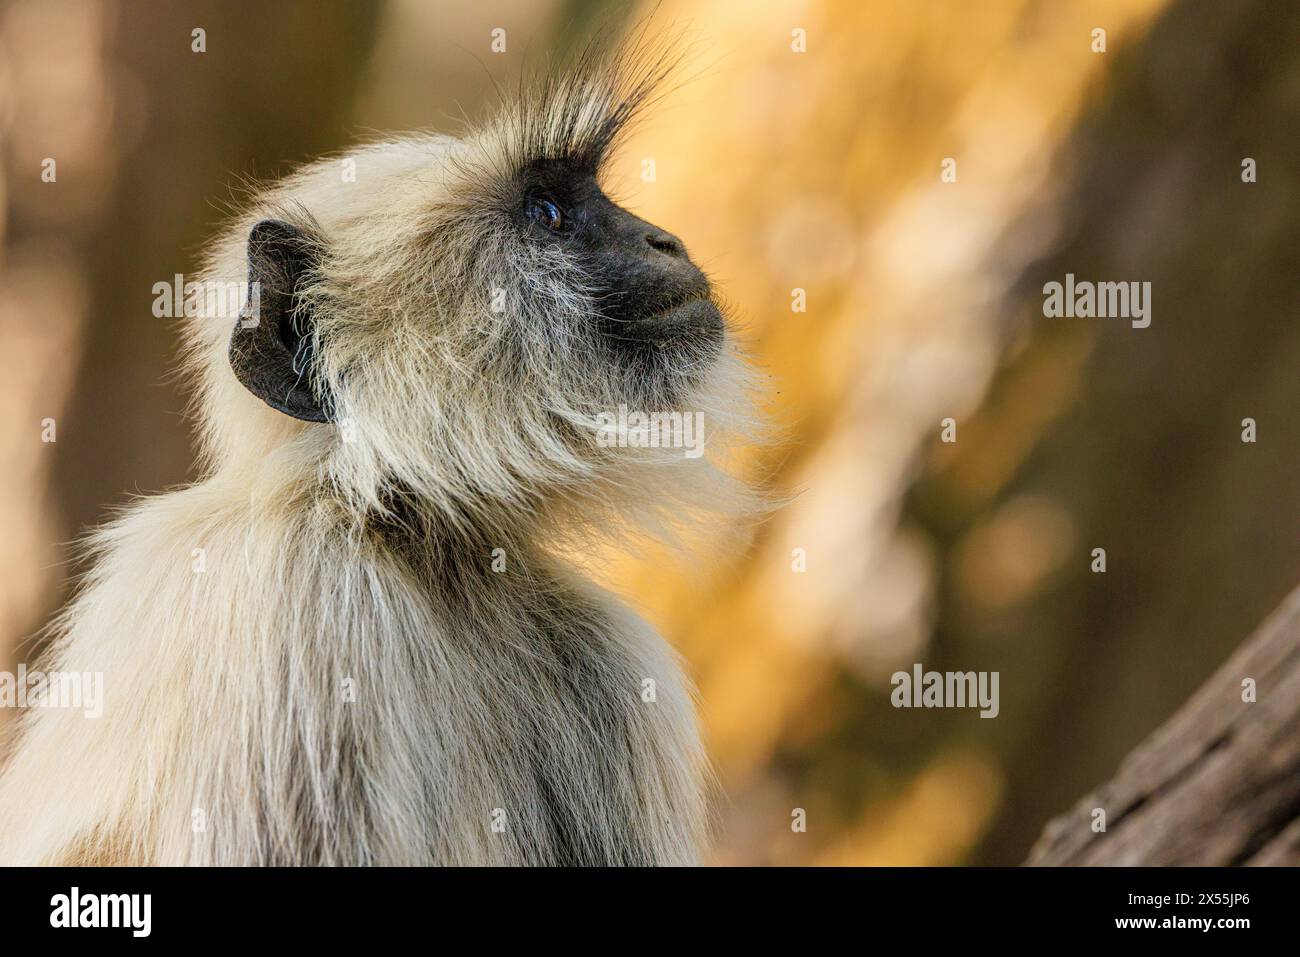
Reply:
x=1218 y=784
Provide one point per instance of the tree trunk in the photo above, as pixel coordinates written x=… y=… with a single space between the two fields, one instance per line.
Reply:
x=1218 y=784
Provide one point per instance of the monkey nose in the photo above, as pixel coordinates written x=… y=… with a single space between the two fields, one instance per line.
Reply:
x=665 y=242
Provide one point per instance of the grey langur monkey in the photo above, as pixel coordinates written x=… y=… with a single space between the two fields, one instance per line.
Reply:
x=355 y=640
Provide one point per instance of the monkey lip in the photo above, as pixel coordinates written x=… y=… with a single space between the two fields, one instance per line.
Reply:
x=693 y=317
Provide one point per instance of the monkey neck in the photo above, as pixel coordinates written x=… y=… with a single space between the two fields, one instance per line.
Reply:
x=465 y=551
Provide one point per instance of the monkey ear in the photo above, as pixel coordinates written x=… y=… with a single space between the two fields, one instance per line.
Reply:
x=271 y=349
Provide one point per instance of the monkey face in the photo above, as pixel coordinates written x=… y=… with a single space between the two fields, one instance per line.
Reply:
x=652 y=303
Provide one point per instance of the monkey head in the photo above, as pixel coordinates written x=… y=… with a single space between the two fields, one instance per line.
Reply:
x=463 y=316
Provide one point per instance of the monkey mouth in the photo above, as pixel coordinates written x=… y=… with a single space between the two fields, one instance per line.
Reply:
x=695 y=319
x=679 y=341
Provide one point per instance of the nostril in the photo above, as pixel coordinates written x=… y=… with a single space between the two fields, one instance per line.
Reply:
x=665 y=243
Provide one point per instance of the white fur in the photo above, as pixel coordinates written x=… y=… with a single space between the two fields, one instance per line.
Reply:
x=348 y=680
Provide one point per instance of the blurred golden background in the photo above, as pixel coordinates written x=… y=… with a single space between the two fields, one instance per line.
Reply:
x=806 y=151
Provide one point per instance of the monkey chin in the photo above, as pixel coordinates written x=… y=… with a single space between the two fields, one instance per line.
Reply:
x=669 y=353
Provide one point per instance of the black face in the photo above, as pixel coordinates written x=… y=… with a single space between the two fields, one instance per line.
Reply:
x=651 y=295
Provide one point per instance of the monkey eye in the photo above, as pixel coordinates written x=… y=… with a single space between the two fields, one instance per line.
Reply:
x=547 y=213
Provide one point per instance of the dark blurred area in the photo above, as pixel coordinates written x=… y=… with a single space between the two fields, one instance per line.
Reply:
x=1201 y=530
x=782 y=170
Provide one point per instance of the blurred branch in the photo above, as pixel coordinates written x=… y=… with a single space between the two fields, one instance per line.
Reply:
x=1218 y=784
